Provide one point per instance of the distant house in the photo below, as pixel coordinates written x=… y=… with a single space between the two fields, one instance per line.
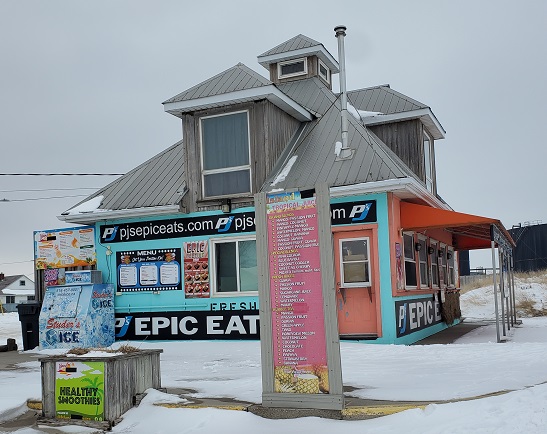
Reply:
x=395 y=240
x=15 y=290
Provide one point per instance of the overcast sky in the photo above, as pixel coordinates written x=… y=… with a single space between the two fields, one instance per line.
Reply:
x=82 y=82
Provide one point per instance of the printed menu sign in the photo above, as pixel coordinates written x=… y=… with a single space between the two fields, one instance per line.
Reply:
x=148 y=270
x=300 y=356
x=62 y=248
x=196 y=269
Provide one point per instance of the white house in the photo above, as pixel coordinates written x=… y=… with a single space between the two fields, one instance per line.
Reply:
x=15 y=290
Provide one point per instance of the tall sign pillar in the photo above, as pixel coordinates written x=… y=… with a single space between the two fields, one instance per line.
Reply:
x=300 y=347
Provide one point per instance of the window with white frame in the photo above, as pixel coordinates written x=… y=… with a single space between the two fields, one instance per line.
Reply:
x=234 y=269
x=324 y=71
x=443 y=275
x=10 y=299
x=411 y=280
x=225 y=154
x=451 y=258
x=292 y=68
x=22 y=283
x=434 y=262
x=428 y=161
x=422 y=258
x=355 y=262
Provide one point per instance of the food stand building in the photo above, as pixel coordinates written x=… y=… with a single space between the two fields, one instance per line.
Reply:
x=176 y=235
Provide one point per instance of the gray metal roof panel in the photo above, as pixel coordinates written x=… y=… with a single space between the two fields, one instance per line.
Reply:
x=238 y=77
x=310 y=93
x=375 y=99
x=157 y=182
x=296 y=43
x=316 y=160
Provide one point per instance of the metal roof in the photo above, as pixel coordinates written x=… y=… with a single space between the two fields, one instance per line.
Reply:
x=238 y=77
x=316 y=160
x=383 y=99
x=158 y=182
x=296 y=47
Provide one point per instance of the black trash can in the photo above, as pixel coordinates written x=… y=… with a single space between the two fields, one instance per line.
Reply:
x=29 y=315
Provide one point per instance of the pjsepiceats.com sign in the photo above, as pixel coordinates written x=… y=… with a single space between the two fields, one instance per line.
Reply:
x=341 y=213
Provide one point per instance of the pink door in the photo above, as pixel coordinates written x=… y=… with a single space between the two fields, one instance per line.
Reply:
x=356 y=285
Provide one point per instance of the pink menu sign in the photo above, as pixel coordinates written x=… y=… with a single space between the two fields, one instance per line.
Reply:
x=300 y=356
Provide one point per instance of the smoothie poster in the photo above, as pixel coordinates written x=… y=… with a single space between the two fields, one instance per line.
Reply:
x=63 y=248
x=196 y=269
x=299 y=346
x=148 y=270
x=79 y=390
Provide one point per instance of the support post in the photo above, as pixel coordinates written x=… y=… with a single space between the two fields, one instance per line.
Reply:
x=495 y=291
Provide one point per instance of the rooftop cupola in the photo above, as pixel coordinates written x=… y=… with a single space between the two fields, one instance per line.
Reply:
x=299 y=58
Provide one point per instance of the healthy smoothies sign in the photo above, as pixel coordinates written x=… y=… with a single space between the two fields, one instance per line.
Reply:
x=298 y=323
x=300 y=358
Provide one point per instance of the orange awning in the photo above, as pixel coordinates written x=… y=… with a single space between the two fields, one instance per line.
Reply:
x=468 y=231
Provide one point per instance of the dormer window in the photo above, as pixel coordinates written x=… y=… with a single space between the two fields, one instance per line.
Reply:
x=292 y=68
x=324 y=71
x=428 y=161
x=225 y=155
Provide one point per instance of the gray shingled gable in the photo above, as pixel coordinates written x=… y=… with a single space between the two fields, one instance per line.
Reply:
x=316 y=160
x=160 y=181
x=383 y=99
x=8 y=280
x=296 y=43
x=238 y=77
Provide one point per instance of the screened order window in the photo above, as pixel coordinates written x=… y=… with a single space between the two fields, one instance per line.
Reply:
x=451 y=269
x=424 y=269
x=292 y=68
x=235 y=269
x=225 y=155
x=411 y=279
x=355 y=262
x=434 y=261
x=443 y=275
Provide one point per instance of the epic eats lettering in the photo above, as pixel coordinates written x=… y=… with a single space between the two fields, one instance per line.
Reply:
x=188 y=325
x=417 y=314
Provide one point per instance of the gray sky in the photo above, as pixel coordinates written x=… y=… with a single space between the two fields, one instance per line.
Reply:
x=81 y=86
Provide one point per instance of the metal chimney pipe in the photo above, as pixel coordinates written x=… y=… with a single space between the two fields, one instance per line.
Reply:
x=345 y=152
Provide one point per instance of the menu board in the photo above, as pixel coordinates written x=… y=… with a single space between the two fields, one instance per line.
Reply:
x=148 y=270
x=300 y=356
x=196 y=269
x=62 y=248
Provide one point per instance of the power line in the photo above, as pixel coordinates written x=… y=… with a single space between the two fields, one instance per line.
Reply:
x=40 y=198
x=49 y=189
x=61 y=174
x=18 y=262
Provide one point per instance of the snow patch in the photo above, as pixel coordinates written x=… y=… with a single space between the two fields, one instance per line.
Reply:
x=88 y=206
x=285 y=171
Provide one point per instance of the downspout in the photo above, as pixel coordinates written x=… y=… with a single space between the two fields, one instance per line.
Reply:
x=345 y=152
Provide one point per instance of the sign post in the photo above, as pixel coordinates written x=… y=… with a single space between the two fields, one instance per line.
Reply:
x=299 y=333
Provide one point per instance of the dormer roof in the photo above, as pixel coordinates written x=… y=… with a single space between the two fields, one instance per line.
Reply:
x=235 y=85
x=294 y=48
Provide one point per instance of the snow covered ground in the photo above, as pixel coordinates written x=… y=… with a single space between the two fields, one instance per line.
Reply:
x=474 y=366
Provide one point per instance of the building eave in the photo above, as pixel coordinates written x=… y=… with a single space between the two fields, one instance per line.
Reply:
x=425 y=115
x=270 y=92
x=404 y=188
x=101 y=215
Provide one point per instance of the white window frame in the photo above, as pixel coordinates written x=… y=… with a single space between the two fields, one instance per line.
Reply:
x=341 y=263
x=225 y=169
x=10 y=299
x=434 y=244
x=213 y=267
x=423 y=242
x=428 y=162
x=451 y=269
x=321 y=64
x=410 y=260
x=443 y=264
x=294 y=74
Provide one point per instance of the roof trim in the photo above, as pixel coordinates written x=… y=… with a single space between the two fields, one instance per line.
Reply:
x=269 y=92
x=425 y=115
x=95 y=216
x=404 y=188
x=318 y=50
